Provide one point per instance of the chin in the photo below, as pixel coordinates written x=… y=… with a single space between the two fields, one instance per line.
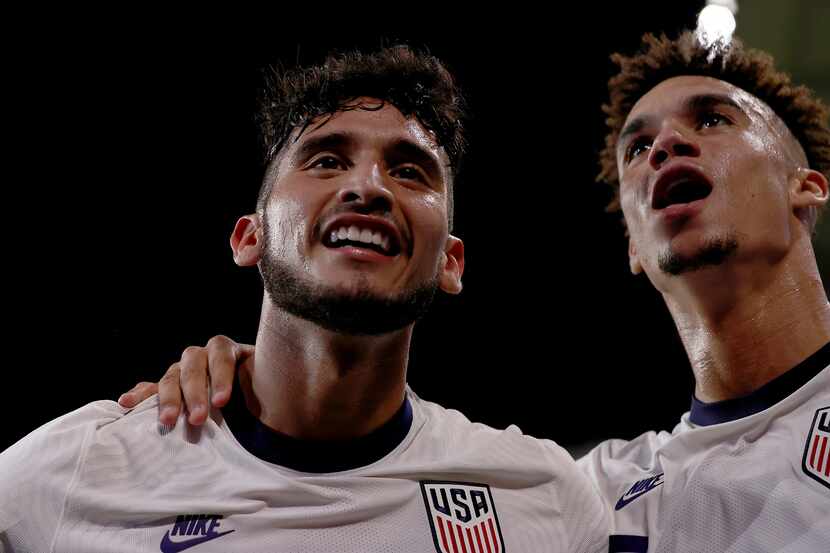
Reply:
x=708 y=252
x=359 y=291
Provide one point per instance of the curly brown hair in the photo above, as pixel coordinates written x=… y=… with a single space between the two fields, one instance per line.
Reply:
x=418 y=84
x=752 y=70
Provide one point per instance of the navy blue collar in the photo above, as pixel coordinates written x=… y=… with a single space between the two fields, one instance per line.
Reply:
x=705 y=414
x=314 y=456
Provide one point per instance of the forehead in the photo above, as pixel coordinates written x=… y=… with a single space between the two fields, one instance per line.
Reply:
x=670 y=95
x=371 y=126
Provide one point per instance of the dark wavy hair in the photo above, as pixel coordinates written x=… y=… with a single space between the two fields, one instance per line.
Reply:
x=416 y=83
x=751 y=70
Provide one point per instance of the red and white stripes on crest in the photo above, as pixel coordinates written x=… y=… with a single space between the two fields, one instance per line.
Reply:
x=478 y=538
x=820 y=455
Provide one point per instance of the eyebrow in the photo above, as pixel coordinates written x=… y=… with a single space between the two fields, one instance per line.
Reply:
x=409 y=150
x=692 y=104
x=634 y=126
x=700 y=102
x=330 y=141
x=400 y=149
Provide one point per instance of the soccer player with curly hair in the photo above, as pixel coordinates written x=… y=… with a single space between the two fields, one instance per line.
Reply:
x=720 y=167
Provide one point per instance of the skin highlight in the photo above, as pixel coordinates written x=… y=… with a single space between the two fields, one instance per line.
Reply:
x=308 y=381
x=751 y=317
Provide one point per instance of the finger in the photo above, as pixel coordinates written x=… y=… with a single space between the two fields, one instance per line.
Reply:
x=170 y=396
x=139 y=393
x=222 y=359
x=194 y=383
x=128 y=398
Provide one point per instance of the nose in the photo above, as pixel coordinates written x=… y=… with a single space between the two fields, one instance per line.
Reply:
x=368 y=191
x=672 y=141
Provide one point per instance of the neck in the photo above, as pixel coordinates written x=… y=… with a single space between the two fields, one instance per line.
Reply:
x=311 y=383
x=743 y=325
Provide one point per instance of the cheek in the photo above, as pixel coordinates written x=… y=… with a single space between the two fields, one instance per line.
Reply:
x=762 y=150
x=439 y=233
x=757 y=142
x=288 y=225
x=635 y=223
x=756 y=172
x=427 y=217
x=428 y=211
x=756 y=193
x=631 y=209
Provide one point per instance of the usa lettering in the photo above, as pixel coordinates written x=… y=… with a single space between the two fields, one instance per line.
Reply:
x=464 y=504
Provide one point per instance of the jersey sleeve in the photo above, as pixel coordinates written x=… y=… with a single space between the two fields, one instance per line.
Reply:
x=584 y=512
x=609 y=463
x=38 y=473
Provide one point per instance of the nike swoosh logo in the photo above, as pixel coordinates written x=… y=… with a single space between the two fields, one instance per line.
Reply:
x=169 y=546
x=629 y=497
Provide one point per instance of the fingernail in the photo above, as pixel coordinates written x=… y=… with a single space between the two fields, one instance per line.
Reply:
x=168 y=414
x=197 y=411
x=220 y=395
x=124 y=397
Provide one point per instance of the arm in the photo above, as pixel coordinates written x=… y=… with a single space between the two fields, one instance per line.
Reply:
x=199 y=369
x=37 y=475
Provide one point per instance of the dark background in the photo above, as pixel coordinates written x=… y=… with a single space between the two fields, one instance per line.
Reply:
x=135 y=153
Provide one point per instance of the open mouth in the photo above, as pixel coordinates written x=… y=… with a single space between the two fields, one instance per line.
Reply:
x=681 y=187
x=357 y=237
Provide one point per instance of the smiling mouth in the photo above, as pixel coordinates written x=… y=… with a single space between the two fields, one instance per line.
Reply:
x=356 y=237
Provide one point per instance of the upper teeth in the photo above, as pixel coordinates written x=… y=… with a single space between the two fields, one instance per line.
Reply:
x=355 y=234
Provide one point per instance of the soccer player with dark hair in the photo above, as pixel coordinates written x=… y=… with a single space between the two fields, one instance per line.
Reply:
x=323 y=447
x=720 y=167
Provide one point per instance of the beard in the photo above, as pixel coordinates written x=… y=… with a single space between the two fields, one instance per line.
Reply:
x=358 y=311
x=715 y=251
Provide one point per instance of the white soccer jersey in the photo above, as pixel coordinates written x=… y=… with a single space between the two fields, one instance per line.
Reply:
x=105 y=479
x=749 y=475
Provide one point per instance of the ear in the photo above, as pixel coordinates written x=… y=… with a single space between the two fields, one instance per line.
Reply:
x=246 y=240
x=453 y=266
x=808 y=188
x=634 y=261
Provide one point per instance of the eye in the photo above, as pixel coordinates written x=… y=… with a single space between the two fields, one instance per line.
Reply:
x=408 y=173
x=326 y=162
x=713 y=119
x=638 y=146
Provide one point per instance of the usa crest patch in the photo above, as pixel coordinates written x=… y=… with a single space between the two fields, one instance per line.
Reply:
x=816 y=463
x=462 y=516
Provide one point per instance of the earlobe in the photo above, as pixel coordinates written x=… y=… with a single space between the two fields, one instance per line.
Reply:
x=633 y=259
x=246 y=240
x=453 y=266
